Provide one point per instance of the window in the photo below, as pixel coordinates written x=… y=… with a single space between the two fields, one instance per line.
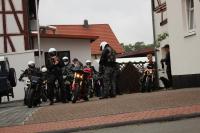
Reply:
x=60 y=54
x=190 y=14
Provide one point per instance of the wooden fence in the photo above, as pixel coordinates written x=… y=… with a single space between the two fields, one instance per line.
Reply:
x=129 y=79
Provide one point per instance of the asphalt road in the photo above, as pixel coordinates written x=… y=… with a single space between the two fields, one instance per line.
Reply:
x=182 y=126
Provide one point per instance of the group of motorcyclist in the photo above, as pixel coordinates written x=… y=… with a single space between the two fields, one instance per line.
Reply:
x=62 y=71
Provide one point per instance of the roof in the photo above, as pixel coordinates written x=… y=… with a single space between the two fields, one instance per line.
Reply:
x=137 y=53
x=97 y=32
x=58 y=35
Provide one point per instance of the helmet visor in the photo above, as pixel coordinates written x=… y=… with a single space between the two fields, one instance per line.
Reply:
x=52 y=54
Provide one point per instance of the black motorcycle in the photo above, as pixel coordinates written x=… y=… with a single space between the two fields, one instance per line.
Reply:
x=68 y=80
x=35 y=92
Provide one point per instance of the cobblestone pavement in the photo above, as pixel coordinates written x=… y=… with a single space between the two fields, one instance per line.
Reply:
x=98 y=112
x=14 y=113
x=121 y=104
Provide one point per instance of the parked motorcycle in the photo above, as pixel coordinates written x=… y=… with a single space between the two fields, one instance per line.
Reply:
x=68 y=79
x=79 y=89
x=26 y=86
x=90 y=81
x=35 y=90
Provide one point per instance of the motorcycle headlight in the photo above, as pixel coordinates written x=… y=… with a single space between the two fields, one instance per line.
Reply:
x=81 y=76
x=150 y=71
x=78 y=75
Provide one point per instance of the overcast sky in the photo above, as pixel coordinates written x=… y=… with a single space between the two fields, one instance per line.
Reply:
x=129 y=19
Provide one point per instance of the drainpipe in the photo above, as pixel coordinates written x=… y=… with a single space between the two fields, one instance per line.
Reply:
x=154 y=40
x=38 y=35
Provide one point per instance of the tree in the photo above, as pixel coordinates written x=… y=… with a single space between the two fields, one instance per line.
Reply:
x=128 y=47
x=137 y=46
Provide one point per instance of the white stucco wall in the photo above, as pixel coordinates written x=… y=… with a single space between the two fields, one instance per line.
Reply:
x=79 y=48
x=160 y=30
x=184 y=50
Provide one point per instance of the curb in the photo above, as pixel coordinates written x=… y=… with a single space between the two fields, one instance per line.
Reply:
x=134 y=122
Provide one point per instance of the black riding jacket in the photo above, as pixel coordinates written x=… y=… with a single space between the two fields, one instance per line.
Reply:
x=54 y=69
x=108 y=58
x=30 y=72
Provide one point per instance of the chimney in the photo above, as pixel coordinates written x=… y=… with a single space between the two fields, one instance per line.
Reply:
x=86 y=25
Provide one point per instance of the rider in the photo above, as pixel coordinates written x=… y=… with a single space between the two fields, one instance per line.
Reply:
x=77 y=64
x=67 y=63
x=67 y=75
x=44 y=73
x=89 y=65
x=151 y=66
x=91 y=78
x=107 y=66
x=167 y=62
x=30 y=71
x=54 y=66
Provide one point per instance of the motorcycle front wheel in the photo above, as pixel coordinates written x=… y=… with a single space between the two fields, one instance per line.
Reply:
x=30 y=98
x=75 y=94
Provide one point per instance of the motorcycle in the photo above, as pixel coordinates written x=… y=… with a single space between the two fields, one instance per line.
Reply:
x=79 y=89
x=90 y=81
x=35 y=90
x=68 y=79
x=26 y=86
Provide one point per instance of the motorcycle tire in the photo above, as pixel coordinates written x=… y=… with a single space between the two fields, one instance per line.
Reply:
x=44 y=96
x=86 y=98
x=25 y=96
x=75 y=95
x=44 y=99
x=91 y=92
x=30 y=98
x=0 y=100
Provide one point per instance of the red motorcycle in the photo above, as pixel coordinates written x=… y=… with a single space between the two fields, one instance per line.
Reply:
x=79 y=89
x=90 y=81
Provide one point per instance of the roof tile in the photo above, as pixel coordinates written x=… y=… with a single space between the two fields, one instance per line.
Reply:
x=103 y=31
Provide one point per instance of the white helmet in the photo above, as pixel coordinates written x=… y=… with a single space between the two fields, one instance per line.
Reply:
x=52 y=50
x=31 y=63
x=103 y=45
x=44 y=69
x=65 y=58
x=88 y=61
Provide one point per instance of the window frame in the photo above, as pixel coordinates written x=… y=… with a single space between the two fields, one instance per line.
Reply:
x=189 y=10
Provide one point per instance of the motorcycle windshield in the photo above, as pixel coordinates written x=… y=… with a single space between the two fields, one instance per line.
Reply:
x=35 y=79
